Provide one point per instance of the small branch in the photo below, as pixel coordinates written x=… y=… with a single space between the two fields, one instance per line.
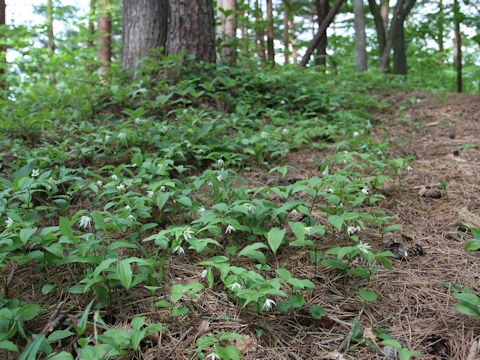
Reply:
x=54 y=319
x=179 y=342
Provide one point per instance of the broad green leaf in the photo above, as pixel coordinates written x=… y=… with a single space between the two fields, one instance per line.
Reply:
x=47 y=288
x=8 y=345
x=125 y=274
x=336 y=221
x=470 y=298
x=368 y=296
x=65 y=228
x=391 y=228
x=317 y=312
x=405 y=354
x=275 y=237
x=162 y=198
x=297 y=301
x=61 y=356
x=59 y=335
x=472 y=245
x=26 y=234
x=335 y=263
x=468 y=309
x=82 y=323
x=178 y=311
x=251 y=251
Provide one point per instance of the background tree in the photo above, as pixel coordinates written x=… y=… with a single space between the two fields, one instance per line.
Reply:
x=322 y=7
x=259 y=31
x=104 y=37
x=3 y=48
x=51 y=38
x=226 y=31
x=270 y=33
x=360 y=37
x=457 y=18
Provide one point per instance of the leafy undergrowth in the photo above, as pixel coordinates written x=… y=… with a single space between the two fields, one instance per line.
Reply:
x=132 y=225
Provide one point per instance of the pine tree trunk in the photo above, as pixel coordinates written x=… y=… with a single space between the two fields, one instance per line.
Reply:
x=51 y=39
x=91 y=24
x=380 y=28
x=226 y=31
x=104 y=37
x=3 y=48
x=399 y=56
x=293 y=39
x=259 y=31
x=286 y=38
x=440 y=26
x=242 y=21
x=270 y=36
x=360 y=37
x=458 y=46
x=323 y=6
x=384 y=7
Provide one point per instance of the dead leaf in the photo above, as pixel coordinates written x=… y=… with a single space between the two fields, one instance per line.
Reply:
x=369 y=334
x=334 y=355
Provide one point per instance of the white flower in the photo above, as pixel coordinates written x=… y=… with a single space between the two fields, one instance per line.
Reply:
x=149 y=193
x=264 y=135
x=9 y=222
x=234 y=286
x=363 y=247
x=163 y=188
x=325 y=172
x=249 y=207
x=330 y=190
x=356 y=133
x=220 y=163
x=84 y=221
x=201 y=210
x=159 y=166
x=209 y=183
x=351 y=230
x=268 y=304
x=179 y=250
x=284 y=131
x=409 y=168
x=219 y=177
x=35 y=172
x=283 y=102
x=204 y=274
x=114 y=177
x=107 y=137
x=187 y=234
x=120 y=187
x=213 y=356
x=365 y=190
x=229 y=229
x=308 y=230
x=137 y=120
x=121 y=135
x=189 y=144
x=294 y=212
x=51 y=180
x=99 y=182
x=128 y=207
x=164 y=128
x=131 y=217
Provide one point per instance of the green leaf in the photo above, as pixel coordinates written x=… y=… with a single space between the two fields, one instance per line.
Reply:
x=275 y=237
x=98 y=220
x=468 y=309
x=65 y=228
x=229 y=352
x=470 y=298
x=391 y=228
x=405 y=354
x=368 y=296
x=317 y=311
x=184 y=200
x=335 y=263
x=336 y=221
x=190 y=289
x=26 y=234
x=137 y=159
x=251 y=251
x=298 y=229
x=472 y=245
x=47 y=288
x=39 y=344
x=163 y=303
x=162 y=198
x=125 y=274
x=392 y=343
x=82 y=323
x=178 y=311
x=59 y=335
x=28 y=312
x=62 y=356
x=8 y=345
x=360 y=272
x=297 y=301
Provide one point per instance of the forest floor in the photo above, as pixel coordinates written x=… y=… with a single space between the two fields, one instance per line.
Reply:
x=441 y=132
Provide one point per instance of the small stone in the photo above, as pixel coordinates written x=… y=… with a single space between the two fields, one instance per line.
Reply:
x=456 y=153
x=451 y=135
x=433 y=193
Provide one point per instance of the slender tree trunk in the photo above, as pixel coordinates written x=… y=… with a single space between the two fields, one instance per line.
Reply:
x=458 y=45
x=293 y=39
x=242 y=21
x=104 y=37
x=380 y=28
x=226 y=31
x=3 y=48
x=259 y=31
x=286 y=37
x=323 y=6
x=91 y=24
x=399 y=57
x=384 y=7
x=360 y=37
x=51 y=39
x=270 y=46
x=440 y=26
x=331 y=14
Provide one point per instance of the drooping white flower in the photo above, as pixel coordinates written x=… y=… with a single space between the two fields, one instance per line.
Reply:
x=220 y=163
x=201 y=210
x=9 y=222
x=107 y=137
x=250 y=207
x=365 y=190
x=356 y=133
x=159 y=166
x=351 y=230
x=150 y=193
x=114 y=177
x=268 y=304
x=128 y=207
x=294 y=212
x=308 y=230
x=234 y=286
x=163 y=188
x=363 y=247
x=99 y=182
x=330 y=190
x=51 y=180
x=120 y=187
x=121 y=135
x=131 y=217
x=187 y=234
x=204 y=274
x=179 y=250
x=35 y=173
x=84 y=221
x=137 y=120
x=219 y=177
x=409 y=168
x=213 y=356
x=264 y=135
x=284 y=131
x=229 y=229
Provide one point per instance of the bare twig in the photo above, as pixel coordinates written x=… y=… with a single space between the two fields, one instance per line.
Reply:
x=179 y=342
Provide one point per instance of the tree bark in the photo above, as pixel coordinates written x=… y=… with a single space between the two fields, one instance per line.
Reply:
x=293 y=39
x=384 y=7
x=440 y=27
x=3 y=48
x=331 y=14
x=104 y=37
x=242 y=21
x=399 y=57
x=379 y=25
x=259 y=31
x=91 y=24
x=321 y=50
x=226 y=31
x=270 y=45
x=286 y=37
x=360 y=37
x=51 y=39
x=458 y=45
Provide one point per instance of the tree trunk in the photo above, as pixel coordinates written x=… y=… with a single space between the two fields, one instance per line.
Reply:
x=270 y=47
x=293 y=39
x=379 y=26
x=360 y=37
x=458 y=45
x=384 y=7
x=440 y=27
x=226 y=31
x=331 y=14
x=399 y=57
x=91 y=24
x=321 y=51
x=3 y=48
x=259 y=31
x=51 y=39
x=242 y=20
x=286 y=37
x=104 y=37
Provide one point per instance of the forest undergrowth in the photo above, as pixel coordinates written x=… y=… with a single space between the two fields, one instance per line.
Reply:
x=233 y=213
